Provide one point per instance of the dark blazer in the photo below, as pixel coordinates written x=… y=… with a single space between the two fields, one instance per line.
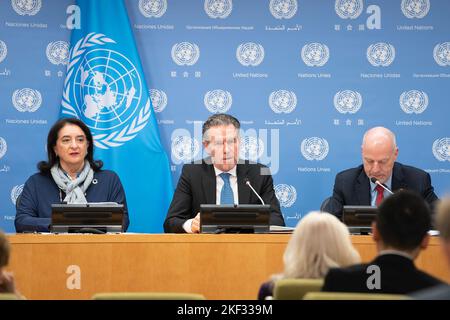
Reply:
x=398 y=275
x=197 y=185
x=352 y=187
x=33 y=210
x=266 y=290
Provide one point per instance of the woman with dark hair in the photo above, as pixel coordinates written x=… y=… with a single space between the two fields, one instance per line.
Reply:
x=70 y=175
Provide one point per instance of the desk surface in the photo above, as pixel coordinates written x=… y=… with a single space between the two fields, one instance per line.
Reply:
x=221 y=266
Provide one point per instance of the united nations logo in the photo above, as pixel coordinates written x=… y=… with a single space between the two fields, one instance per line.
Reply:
x=26 y=100
x=282 y=101
x=159 y=99
x=104 y=89
x=441 y=149
x=250 y=54
x=185 y=148
x=251 y=148
x=218 y=8
x=3 y=147
x=218 y=101
x=441 y=54
x=347 y=101
x=153 y=8
x=286 y=194
x=185 y=53
x=315 y=54
x=413 y=101
x=58 y=52
x=381 y=54
x=3 y=51
x=15 y=193
x=283 y=9
x=26 y=7
x=415 y=8
x=314 y=148
x=348 y=9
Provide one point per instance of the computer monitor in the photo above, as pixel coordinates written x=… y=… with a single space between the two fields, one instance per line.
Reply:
x=242 y=218
x=359 y=218
x=87 y=218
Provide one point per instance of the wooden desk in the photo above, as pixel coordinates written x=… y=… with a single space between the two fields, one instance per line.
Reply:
x=217 y=266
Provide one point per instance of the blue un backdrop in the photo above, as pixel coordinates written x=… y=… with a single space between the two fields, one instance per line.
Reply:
x=306 y=78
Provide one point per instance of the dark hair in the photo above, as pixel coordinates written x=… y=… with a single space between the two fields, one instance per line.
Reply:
x=4 y=250
x=45 y=166
x=220 y=119
x=403 y=220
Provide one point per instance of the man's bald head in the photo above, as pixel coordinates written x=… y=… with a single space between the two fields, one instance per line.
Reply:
x=379 y=152
x=379 y=135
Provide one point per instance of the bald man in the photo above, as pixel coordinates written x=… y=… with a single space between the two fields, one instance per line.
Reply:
x=379 y=154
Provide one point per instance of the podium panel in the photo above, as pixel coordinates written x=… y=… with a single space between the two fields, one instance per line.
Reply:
x=223 y=266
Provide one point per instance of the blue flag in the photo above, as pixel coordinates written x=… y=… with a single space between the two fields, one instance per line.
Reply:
x=105 y=88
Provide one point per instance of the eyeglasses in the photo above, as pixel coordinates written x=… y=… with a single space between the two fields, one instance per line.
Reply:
x=221 y=143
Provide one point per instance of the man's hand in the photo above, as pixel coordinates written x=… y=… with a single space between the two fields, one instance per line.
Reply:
x=195 y=226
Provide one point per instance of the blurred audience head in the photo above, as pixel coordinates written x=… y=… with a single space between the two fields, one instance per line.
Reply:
x=319 y=242
x=402 y=223
x=4 y=250
x=443 y=224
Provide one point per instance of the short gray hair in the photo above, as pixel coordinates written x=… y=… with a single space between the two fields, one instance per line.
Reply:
x=219 y=119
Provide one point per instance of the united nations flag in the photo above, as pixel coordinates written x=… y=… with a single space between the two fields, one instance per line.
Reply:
x=105 y=87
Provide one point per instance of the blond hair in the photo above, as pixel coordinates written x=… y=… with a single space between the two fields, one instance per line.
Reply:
x=443 y=219
x=319 y=242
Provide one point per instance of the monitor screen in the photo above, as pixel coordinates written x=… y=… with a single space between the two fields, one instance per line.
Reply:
x=243 y=218
x=359 y=218
x=87 y=218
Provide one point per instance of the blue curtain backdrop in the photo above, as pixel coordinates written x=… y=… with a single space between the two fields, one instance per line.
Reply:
x=306 y=78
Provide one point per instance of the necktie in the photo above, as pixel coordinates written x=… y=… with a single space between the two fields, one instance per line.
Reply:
x=226 y=195
x=380 y=194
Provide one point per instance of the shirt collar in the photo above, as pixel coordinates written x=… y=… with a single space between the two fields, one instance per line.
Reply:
x=231 y=172
x=396 y=252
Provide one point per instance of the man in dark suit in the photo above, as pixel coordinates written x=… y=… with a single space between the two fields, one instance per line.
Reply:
x=400 y=231
x=379 y=153
x=219 y=179
x=440 y=292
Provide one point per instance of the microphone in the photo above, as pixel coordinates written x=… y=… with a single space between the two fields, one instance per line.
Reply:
x=374 y=180
x=247 y=182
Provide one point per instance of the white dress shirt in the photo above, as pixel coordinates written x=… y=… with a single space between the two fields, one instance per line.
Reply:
x=219 y=185
x=374 y=193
